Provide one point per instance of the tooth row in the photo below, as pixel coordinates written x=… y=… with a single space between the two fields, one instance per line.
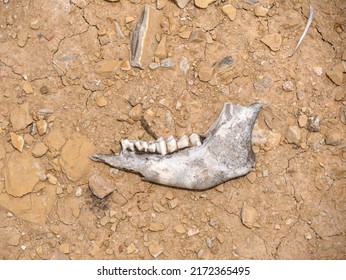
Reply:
x=161 y=146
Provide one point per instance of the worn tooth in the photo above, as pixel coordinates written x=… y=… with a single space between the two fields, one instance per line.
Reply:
x=141 y=146
x=161 y=147
x=171 y=144
x=151 y=147
x=195 y=140
x=183 y=142
x=127 y=145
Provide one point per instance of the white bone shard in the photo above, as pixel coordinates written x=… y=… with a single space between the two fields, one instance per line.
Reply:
x=127 y=145
x=171 y=144
x=226 y=153
x=161 y=147
x=195 y=140
x=183 y=142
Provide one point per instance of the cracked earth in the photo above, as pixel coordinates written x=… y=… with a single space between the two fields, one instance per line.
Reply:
x=67 y=91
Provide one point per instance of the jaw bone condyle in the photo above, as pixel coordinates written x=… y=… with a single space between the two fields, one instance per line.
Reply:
x=224 y=152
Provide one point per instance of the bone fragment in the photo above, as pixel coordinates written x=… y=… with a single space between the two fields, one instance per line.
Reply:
x=224 y=154
x=143 y=43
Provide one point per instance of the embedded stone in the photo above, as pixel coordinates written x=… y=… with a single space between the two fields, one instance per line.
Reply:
x=106 y=66
x=334 y=137
x=27 y=87
x=205 y=73
x=20 y=117
x=230 y=11
x=203 y=4
x=292 y=135
x=273 y=41
x=99 y=186
x=17 y=141
x=39 y=150
x=335 y=76
x=261 y=11
x=161 y=51
x=182 y=3
x=155 y=250
x=22 y=173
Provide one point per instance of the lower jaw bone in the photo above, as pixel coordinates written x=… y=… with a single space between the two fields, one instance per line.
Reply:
x=225 y=153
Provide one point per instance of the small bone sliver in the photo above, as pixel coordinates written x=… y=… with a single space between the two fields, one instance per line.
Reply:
x=225 y=153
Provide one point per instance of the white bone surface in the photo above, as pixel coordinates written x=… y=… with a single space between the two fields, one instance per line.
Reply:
x=226 y=153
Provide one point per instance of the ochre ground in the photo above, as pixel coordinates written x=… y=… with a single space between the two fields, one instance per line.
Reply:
x=296 y=194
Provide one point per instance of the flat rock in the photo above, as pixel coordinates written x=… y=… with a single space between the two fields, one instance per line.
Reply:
x=99 y=186
x=160 y=4
x=55 y=139
x=158 y=207
x=143 y=43
x=106 y=66
x=11 y=235
x=20 y=117
x=22 y=37
x=17 y=141
x=230 y=11
x=261 y=11
x=75 y=154
x=273 y=41
x=39 y=150
x=313 y=124
x=292 y=135
x=22 y=173
x=31 y=207
x=155 y=250
x=27 y=87
x=136 y=112
x=182 y=3
x=161 y=51
x=205 y=73
x=180 y=228
x=42 y=126
x=249 y=216
x=203 y=4
x=334 y=137
x=264 y=84
x=197 y=36
x=156 y=226
x=102 y=101
x=335 y=76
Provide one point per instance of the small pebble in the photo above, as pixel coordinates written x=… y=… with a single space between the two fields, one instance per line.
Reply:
x=313 y=123
x=288 y=86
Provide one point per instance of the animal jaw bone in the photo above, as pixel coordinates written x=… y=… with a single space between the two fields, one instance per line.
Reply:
x=225 y=153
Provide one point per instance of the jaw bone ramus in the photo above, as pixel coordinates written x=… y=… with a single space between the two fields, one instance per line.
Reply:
x=225 y=153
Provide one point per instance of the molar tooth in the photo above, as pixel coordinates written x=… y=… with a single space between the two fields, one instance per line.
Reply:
x=127 y=145
x=195 y=140
x=141 y=146
x=151 y=147
x=161 y=147
x=183 y=142
x=171 y=144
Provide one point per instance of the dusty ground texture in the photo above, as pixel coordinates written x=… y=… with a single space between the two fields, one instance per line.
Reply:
x=59 y=104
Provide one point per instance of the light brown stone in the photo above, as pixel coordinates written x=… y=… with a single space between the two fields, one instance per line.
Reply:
x=22 y=172
x=261 y=11
x=55 y=139
x=182 y=3
x=39 y=149
x=334 y=137
x=35 y=24
x=230 y=11
x=17 y=141
x=197 y=36
x=161 y=51
x=22 y=37
x=203 y=4
x=156 y=226
x=75 y=154
x=131 y=248
x=101 y=101
x=205 y=73
x=155 y=250
x=273 y=41
x=27 y=87
x=42 y=127
x=180 y=229
x=136 y=112
x=249 y=216
x=158 y=207
x=173 y=203
x=65 y=248
x=292 y=135
x=251 y=177
x=302 y=120
x=335 y=76
x=20 y=117
x=106 y=66
x=99 y=186
x=185 y=34
x=160 y=4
